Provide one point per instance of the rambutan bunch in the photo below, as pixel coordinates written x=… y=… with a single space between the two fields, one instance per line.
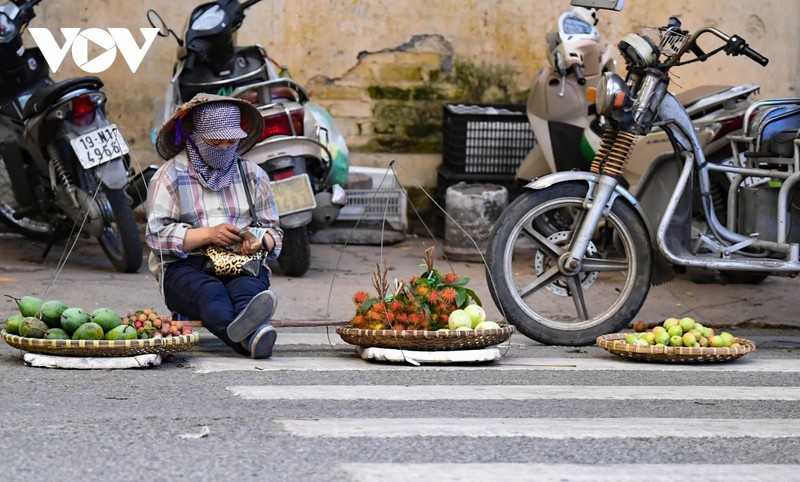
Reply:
x=424 y=303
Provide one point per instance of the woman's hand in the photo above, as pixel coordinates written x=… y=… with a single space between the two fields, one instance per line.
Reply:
x=224 y=235
x=249 y=247
x=220 y=235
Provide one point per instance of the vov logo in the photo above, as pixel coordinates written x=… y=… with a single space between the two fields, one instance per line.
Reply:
x=77 y=41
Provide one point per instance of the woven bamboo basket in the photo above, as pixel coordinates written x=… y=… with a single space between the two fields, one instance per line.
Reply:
x=103 y=348
x=615 y=343
x=425 y=340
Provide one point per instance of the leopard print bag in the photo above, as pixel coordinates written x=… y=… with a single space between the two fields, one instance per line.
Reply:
x=224 y=263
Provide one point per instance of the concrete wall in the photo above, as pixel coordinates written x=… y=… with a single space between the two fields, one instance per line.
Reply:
x=383 y=68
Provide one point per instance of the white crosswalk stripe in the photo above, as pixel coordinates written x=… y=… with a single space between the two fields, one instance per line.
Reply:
x=352 y=363
x=514 y=392
x=371 y=430
x=572 y=472
x=546 y=428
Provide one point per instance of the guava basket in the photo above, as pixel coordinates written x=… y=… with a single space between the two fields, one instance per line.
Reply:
x=103 y=348
x=426 y=340
x=615 y=343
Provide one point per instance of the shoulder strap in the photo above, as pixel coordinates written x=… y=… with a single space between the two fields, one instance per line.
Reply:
x=254 y=222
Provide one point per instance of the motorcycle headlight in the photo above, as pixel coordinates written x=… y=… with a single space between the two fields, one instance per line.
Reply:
x=209 y=19
x=638 y=50
x=612 y=93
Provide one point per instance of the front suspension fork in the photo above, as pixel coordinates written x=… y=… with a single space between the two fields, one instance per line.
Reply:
x=609 y=163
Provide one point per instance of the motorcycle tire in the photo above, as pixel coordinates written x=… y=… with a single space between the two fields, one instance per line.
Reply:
x=543 y=302
x=37 y=228
x=295 y=257
x=120 y=238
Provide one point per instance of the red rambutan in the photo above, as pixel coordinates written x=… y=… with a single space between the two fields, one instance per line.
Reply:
x=359 y=321
x=360 y=297
x=433 y=297
x=450 y=277
x=449 y=295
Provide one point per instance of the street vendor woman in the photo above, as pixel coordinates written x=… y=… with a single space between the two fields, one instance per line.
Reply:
x=206 y=194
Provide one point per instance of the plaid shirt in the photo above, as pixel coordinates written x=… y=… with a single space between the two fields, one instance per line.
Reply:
x=177 y=202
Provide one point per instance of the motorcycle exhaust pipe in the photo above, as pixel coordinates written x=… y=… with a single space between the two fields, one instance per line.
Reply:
x=138 y=185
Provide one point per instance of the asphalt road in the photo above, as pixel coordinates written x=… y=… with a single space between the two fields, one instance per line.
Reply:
x=318 y=412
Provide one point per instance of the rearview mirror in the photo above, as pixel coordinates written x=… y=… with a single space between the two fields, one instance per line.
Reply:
x=606 y=4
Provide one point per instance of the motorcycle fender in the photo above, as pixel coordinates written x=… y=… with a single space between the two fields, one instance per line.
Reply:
x=113 y=174
x=295 y=220
x=591 y=179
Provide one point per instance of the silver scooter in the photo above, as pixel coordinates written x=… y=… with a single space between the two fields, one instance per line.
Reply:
x=561 y=281
x=568 y=131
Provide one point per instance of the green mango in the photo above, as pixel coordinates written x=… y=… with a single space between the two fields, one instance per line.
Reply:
x=122 y=332
x=51 y=312
x=32 y=327
x=107 y=318
x=29 y=305
x=88 y=331
x=72 y=318
x=12 y=324
x=56 y=334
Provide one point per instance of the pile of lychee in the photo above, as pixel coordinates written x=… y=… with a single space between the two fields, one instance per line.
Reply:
x=683 y=332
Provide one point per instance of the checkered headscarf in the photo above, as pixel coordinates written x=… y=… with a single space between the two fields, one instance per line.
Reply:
x=220 y=120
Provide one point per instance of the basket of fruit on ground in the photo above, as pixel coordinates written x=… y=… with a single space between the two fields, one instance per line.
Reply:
x=430 y=312
x=676 y=341
x=53 y=328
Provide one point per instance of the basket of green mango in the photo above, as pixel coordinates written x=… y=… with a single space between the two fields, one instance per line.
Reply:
x=53 y=328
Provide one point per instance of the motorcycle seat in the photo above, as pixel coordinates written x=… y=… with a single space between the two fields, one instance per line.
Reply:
x=44 y=98
x=690 y=97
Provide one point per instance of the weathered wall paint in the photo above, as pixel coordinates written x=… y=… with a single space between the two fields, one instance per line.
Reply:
x=382 y=66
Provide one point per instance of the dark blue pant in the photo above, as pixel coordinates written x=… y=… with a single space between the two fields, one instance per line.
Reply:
x=190 y=291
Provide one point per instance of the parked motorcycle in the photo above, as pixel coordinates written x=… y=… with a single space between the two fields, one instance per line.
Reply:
x=62 y=163
x=568 y=131
x=300 y=148
x=560 y=282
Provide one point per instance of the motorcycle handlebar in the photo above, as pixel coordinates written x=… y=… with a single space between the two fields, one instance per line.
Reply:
x=739 y=46
x=578 y=71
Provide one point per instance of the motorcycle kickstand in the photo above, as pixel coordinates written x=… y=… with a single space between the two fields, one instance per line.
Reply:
x=47 y=248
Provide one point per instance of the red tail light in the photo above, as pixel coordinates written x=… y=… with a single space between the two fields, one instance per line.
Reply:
x=82 y=110
x=728 y=126
x=279 y=125
x=282 y=174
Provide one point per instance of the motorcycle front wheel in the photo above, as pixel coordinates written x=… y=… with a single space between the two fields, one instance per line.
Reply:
x=120 y=238
x=295 y=257
x=543 y=299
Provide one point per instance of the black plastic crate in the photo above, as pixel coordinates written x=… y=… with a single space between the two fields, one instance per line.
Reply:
x=445 y=178
x=488 y=139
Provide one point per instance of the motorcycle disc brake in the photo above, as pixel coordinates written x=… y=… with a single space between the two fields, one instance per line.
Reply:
x=542 y=263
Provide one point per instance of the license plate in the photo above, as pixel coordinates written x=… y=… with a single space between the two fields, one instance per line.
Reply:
x=293 y=194
x=99 y=146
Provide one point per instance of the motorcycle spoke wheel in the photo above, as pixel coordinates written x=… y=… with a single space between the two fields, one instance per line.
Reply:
x=32 y=227
x=546 y=301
